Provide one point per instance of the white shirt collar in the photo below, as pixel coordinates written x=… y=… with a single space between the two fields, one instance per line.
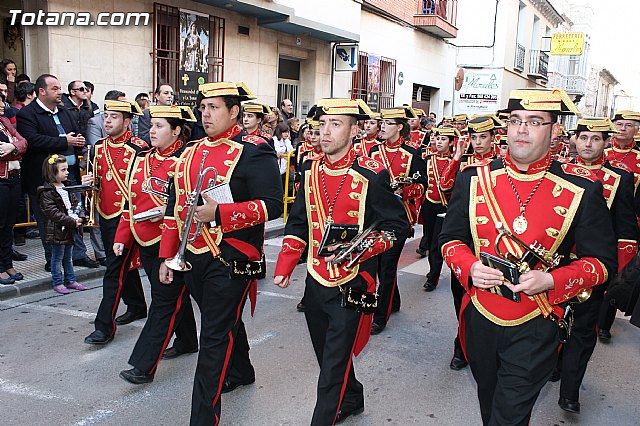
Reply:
x=44 y=107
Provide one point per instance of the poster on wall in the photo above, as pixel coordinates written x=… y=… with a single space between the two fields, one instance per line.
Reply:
x=194 y=48
x=480 y=92
x=373 y=82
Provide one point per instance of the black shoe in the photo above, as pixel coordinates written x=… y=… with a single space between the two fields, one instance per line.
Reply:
x=102 y=261
x=7 y=281
x=98 y=338
x=18 y=257
x=17 y=276
x=422 y=253
x=556 y=375
x=171 y=353
x=136 y=376
x=343 y=414
x=228 y=386
x=429 y=286
x=47 y=266
x=19 y=240
x=604 y=335
x=377 y=328
x=129 y=317
x=300 y=307
x=458 y=363
x=395 y=309
x=32 y=234
x=569 y=405
x=86 y=262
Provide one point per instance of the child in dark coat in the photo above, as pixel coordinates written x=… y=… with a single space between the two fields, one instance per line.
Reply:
x=61 y=211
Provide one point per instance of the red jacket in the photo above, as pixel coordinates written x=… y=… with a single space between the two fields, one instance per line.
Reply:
x=15 y=138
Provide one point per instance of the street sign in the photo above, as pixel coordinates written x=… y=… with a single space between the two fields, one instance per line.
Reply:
x=346 y=57
x=567 y=43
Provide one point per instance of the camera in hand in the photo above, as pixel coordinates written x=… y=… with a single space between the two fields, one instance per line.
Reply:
x=510 y=272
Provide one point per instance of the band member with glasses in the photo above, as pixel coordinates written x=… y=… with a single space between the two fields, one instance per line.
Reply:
x=141 y=225
x=343 y=188
x=524 y=211
x=222 y=247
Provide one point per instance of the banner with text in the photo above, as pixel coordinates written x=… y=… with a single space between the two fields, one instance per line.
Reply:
x=480 y=92
x=194 y=48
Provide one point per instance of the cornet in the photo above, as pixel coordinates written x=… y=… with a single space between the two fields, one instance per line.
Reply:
x=178 y=262
x=402 y=181
x=357 y=247
x=90 y=197
x=147 y=187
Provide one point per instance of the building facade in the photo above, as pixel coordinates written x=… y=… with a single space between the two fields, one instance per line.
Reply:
x=280 y=48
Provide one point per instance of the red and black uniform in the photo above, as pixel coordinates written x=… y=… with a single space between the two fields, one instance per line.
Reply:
x=435 y=204
x=567 y=210
x=360 y=188
x=170 y=308
x=259 y=132
x=417 y=139
x=113 y=162
x=618 y=192
x=364 y=145
x=219 y=253
x=400 y=160
x=630 y=157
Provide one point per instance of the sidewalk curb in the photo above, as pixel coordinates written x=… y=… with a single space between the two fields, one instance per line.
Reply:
x=44 y=284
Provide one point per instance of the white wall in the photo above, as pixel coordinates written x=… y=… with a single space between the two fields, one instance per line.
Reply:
x=422 y=59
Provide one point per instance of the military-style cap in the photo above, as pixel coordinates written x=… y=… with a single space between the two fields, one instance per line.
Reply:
x=356 y=108
x=375 y=116
x=256 y=108
x=595 y=124
x=627 y=115
x=555 y=101
x=503 y=115
x=173 y=111
x=502 y=140
x=419 y=112
x=402 y=112
x=123 y=106
x=460 y=118
x=226 y=88
x=563 y=131
x=484 y=123
x=446 y=131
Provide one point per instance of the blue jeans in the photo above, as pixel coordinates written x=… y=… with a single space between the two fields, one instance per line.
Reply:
x=61 y=258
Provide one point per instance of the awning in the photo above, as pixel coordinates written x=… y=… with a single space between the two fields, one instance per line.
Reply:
x=281 y=18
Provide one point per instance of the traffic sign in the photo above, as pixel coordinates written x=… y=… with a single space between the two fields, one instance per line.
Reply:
x=346 y=57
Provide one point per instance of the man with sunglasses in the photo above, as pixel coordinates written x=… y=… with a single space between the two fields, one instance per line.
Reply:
x=511 y=321
x=78 y=104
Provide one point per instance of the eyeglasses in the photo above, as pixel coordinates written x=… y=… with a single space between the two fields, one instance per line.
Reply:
x=516 y=122
x=82 y=89
x=388 y=123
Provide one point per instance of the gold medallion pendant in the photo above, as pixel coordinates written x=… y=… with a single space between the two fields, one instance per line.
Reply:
x=109 y=176
x=520 y=225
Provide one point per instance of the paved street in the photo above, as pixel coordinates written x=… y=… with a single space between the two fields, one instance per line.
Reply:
x=48 y=376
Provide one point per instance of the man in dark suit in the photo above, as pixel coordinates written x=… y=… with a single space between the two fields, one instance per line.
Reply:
x=49 y=129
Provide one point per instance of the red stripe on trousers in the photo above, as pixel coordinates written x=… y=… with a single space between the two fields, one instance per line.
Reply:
x=170 y=331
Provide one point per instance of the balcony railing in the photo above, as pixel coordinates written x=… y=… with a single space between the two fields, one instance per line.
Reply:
x=576 y=84
x=437 y=17
x=538 y=64
x=519 y=59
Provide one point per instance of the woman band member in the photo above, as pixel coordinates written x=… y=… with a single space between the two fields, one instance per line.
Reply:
x=140 y=224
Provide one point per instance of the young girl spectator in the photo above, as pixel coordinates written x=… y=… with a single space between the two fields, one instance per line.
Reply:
x=282 y=146
x=61 y=211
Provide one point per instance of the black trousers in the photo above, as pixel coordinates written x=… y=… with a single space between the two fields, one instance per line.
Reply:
x=509 y=364
x=607 y=314
x=428 y=211
x=389 y=294
x=577 y=351
x=224 y=349
x=10 y=192
x=458 y=293
x=435 y=255
x=333 y=330
x=118 y=282
x=170 y=311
